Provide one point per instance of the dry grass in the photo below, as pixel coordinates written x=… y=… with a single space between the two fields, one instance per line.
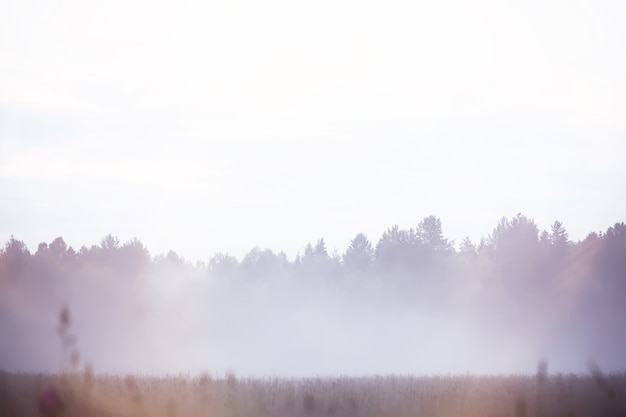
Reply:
x=83 y=394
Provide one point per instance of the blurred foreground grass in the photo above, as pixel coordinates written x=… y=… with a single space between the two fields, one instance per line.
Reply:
x=85 y=394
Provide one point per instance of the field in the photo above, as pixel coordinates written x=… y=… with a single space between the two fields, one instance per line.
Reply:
x=84 y=394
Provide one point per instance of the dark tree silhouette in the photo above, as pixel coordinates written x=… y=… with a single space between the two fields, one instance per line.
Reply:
x=317 y=264
x=360 y=255
x=134 y=257
x=263 y=264
x=430 y=232
x=514 y=245
x=14 y=259
x=320 y=249
x=223 y=265
x=397 y=251
x=558 y=236
x=468 y=249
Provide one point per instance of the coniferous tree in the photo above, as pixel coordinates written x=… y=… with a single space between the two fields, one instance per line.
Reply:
x=558 y=236
x=359 y=255
x=467 y=248
x=430 y=232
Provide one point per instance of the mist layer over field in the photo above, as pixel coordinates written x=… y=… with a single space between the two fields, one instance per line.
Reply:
x=287 y=330
x=454 y=311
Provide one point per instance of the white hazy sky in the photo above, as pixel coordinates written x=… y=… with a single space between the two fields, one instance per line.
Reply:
x=206 y=126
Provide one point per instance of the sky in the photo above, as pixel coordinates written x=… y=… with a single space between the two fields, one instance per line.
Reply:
x=218 y=126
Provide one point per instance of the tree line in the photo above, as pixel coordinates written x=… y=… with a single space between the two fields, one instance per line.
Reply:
x=515 y=256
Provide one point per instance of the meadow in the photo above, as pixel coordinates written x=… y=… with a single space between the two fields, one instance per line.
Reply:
x=85 y=394
x=412 y=300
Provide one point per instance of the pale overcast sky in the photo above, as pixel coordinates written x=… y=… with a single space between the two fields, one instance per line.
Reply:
x=218 y=126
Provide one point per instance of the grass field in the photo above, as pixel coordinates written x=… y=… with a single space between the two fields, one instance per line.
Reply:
x=85 y=394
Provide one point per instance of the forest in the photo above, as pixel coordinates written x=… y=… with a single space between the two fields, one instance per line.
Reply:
x=411 y=325
x=521 y=292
